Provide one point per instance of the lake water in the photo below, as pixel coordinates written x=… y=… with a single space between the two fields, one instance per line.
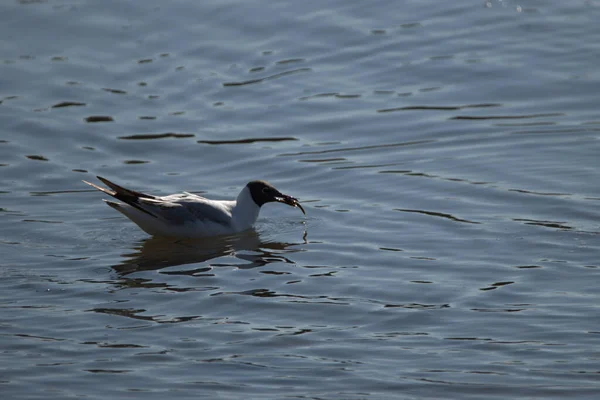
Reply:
x=446 y=153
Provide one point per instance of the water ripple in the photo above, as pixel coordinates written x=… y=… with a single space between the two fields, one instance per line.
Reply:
x=439 y=108
x=359 y=148
x=68 y=104
x=266 y=78
x=146 y=136
x=437 y=214
x=249 y=140
x=99 y=118
x=546 y=224
x=526 y=116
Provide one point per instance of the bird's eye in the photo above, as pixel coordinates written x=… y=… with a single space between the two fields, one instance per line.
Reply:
x=266 y=190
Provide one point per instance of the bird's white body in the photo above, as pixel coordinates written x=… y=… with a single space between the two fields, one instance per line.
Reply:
x=190 y=215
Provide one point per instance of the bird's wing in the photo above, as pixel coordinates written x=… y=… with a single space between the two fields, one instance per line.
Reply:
x=187 y=207
x=176 y=208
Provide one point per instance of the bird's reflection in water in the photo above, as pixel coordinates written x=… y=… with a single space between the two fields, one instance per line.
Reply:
x=192 y=257
x=160 y=253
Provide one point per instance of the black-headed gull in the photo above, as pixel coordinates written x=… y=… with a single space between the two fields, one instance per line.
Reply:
x=189 y=215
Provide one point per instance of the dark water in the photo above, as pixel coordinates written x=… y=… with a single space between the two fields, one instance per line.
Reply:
x=446 y=154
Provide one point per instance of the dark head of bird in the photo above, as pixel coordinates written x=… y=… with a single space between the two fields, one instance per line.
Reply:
x=263 y=192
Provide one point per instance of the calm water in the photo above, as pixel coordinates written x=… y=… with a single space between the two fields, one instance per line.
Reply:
x=447 y=154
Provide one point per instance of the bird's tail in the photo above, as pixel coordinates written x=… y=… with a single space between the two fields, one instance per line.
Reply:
x=127 y=196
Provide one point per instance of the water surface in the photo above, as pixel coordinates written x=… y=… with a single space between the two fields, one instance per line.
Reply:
x=446 y=154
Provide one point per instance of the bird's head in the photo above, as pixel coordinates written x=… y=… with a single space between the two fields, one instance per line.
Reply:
x=263 y=192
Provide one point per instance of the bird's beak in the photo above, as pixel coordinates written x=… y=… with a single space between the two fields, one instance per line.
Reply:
x=290 y=201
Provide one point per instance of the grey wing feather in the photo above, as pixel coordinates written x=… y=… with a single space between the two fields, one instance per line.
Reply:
x=208 y=212
x=181 y=208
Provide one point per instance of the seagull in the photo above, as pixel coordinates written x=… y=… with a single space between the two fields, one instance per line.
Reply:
x=187 y=215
